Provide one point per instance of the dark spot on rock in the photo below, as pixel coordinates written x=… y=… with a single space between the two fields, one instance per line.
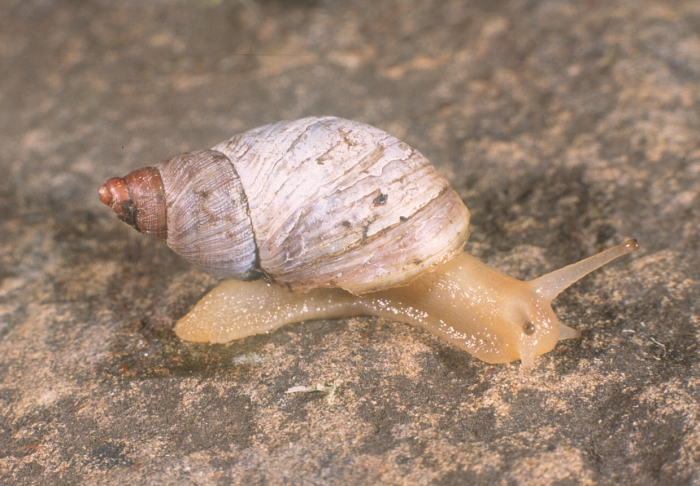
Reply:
x=205 y=194
x=346 y=223
x=110 y=455
x=417 y=261
x=403 y=219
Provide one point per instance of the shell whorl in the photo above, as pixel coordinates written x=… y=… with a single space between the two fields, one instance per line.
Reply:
x=207 y=214
x=337 y=203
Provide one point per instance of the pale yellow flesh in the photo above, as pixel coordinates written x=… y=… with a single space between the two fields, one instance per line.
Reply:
x=494 y=317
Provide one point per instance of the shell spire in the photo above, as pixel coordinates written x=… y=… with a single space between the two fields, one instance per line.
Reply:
x=138 y=199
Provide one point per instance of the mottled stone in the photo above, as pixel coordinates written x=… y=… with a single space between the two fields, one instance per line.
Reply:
x=566 y=126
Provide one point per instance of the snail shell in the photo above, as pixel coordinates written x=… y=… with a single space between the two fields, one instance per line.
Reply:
x=311 y=203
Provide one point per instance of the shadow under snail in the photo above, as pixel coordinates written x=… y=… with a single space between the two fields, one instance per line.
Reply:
x=340 y=219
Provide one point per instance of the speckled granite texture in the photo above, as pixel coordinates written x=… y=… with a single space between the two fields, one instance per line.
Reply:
x=566 y=126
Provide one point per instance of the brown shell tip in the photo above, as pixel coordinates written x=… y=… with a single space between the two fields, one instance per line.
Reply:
x=138 y=200
x=114 y=193
x=105 y=197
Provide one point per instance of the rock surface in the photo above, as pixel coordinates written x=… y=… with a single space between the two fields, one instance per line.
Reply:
x=566 y=126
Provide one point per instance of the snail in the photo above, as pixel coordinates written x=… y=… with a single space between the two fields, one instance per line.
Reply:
x=323 y=218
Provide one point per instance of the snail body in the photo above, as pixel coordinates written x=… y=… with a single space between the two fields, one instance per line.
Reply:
x=492 y=316
x=340 y=219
